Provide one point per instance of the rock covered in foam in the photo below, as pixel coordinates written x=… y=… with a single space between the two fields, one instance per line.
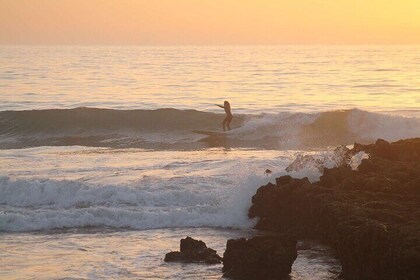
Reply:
x=262 y=257
x=303 y=161
x=341 y=156
x=371 y=217
x=193 y=251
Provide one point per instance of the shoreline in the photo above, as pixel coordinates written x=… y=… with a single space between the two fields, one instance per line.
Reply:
x=370 y=217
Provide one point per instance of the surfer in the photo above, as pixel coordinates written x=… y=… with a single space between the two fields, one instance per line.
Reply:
x=229 y=116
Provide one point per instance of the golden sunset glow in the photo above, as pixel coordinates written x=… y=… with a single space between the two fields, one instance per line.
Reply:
x=209 y=22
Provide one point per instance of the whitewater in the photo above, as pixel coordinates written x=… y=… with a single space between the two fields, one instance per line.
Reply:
x=101 y=174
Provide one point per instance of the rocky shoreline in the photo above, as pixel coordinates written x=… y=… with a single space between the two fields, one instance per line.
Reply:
x=369 y=216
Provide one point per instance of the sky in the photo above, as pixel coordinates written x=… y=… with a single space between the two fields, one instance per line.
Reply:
x=209 y=22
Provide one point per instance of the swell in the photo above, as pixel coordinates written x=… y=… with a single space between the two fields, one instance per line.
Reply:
x=161 y=128
x=172 y=128
x=79 y=120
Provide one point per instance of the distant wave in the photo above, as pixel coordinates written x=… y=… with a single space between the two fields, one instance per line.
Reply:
x=172 y=128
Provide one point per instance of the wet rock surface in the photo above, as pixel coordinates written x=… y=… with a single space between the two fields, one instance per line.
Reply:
x=193 y=251
x=262 y=257
x=371 y=216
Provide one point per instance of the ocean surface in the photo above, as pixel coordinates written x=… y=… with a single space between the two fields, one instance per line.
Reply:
x=101 y=173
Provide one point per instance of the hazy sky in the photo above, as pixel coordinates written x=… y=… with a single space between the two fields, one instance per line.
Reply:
x=209 y=22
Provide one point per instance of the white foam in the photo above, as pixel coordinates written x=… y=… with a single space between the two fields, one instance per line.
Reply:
x=175 y=189
x=356 y=160
x=288 y=130
x=212 y=201
x=282 y=125
x=55 y=194
x=42 y=205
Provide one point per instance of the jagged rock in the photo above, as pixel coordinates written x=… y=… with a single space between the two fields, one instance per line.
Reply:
x=194 y=251
x=403 y=150
x=334 y=176
x=366 y=166
x=263 y=257
x=371 y=217
x=284 y=180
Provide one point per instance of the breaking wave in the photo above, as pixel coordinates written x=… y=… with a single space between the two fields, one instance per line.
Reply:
x=172 y=128
x=218 y=197
x=33 y=205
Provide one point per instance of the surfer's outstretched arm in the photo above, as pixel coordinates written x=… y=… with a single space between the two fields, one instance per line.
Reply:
x=223 y=107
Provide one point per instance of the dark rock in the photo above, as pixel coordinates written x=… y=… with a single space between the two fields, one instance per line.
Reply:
x=371 y=217
x=283 y=180
x=335 y=176
x=263 y=257
x=190 y=245
x=193 y=251
x=173 y=256
x=382 y=142
x=403 y=150
x=366 y=166
x=288 y=180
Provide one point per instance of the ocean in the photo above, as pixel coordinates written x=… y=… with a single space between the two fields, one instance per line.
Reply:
x=101 y=173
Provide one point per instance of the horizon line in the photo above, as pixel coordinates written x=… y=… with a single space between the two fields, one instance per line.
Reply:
x=209 y=45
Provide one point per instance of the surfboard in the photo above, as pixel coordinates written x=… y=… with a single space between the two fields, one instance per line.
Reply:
x=210 y=133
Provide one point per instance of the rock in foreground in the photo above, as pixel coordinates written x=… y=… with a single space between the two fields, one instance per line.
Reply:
x=193 y=251
x=259 y=258
x=371 y=217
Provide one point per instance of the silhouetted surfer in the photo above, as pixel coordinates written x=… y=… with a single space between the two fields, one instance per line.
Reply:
x=229 y=116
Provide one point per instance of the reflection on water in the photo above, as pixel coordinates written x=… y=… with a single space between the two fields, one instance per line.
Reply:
x=106 y=254
x=253 y=79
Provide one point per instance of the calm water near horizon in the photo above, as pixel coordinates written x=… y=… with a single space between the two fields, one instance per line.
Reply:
x=254 y=79
x=105 y=194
